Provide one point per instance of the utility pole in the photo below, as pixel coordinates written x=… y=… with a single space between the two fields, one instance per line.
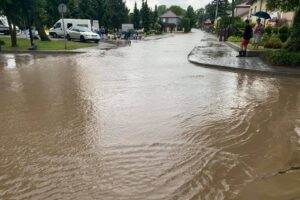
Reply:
x=217 y=8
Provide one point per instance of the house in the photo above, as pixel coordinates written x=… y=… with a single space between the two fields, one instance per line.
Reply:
x=242 y=10
x=261 y=5
x=257 y=6
x=170 y=21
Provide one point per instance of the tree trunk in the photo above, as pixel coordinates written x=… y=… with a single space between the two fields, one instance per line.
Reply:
x=294 y=41
x=41 y=30
x=13 y=33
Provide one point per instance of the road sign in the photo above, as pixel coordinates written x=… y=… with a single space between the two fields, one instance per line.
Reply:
x=62 y=8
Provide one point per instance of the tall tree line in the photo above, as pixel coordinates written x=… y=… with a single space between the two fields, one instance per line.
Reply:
x=38 y=13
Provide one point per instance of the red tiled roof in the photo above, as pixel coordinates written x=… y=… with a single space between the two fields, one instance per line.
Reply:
x=169 y=14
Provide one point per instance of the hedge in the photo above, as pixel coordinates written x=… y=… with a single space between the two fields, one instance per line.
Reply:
x=282 y=58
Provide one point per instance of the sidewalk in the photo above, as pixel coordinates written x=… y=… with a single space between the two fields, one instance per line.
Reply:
x=214 y=54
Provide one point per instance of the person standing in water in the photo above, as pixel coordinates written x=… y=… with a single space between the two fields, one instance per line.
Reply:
x=247 y=35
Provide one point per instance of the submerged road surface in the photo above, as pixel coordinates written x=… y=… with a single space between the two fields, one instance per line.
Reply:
x=141 y=122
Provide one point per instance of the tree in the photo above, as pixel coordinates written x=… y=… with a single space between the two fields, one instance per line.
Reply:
x=117 y=13
x=145 y=15
x=190 y=13
x=210 y=10
x=155 y=14
x=289 y=5
x=177 y=10
x=12 y=9
x=37 y=13
x=201 y=16
x=185 y=23
x=136 y=17
x=162 y=9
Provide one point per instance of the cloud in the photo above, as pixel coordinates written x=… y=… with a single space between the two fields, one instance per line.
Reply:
x=183 y=3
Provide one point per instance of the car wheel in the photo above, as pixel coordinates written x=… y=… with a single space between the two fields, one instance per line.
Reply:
x=82 y=39
x=96 y=41
x=68 y=38
x=54 y=35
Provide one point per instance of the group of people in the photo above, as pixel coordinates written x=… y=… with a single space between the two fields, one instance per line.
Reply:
x=248 y=33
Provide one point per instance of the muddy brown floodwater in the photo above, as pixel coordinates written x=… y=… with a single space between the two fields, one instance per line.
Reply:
x=141 y=122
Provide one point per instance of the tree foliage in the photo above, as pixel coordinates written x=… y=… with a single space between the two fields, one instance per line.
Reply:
x=289 y=5
x=177 y=10
x=190 y=13
x=162 y=9
x=136 y=17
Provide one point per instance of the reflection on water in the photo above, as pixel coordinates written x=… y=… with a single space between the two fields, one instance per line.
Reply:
x=10 y=61
x=122 y=127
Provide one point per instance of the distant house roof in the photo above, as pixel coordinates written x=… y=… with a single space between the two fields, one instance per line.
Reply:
x=250 y=2
x=170 y=14
x=243 y=5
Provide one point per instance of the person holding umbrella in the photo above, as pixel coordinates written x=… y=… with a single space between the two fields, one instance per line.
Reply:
x=258 y=32
x=247 y=35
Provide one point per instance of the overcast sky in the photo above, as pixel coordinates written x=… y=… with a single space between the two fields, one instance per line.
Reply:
x=183 y=3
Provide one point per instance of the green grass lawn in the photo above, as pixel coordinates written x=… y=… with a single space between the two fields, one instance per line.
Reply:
x=24 y=44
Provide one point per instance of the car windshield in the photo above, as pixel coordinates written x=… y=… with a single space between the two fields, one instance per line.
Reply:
x=83 y=29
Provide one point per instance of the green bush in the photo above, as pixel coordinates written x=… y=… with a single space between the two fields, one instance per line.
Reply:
x=265 y=38
x=234 y=39
x=283 y=37
x=268 y=30
x=186 y=24
x=239 y=23
x=284 y=33
x=274 y=43
x=282 y=58
x=284 y=30
x=275 y=30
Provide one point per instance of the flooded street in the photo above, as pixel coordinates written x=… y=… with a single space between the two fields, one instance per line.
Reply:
x=141 y=122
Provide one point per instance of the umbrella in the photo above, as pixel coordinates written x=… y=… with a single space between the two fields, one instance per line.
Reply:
x=261 y=14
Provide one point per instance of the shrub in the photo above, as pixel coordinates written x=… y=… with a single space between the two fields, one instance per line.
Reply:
x=274 y=43
x=282 y=58
x=283 y=37
x=275 y=30
x=239 y=23
x=265 y=38
x=186 y=24
x=234 y=39
x=283 y=30
x=268 y=30
x=284 y=33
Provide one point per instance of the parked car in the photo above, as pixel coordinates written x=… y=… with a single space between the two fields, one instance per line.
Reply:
x=58 y=31
x=83 y=34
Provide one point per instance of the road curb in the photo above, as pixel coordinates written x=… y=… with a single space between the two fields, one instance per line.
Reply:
x=235 y=69
x=40 y=52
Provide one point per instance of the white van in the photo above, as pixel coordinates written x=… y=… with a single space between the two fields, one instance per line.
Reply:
x=4 y=25
x=58 y=31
